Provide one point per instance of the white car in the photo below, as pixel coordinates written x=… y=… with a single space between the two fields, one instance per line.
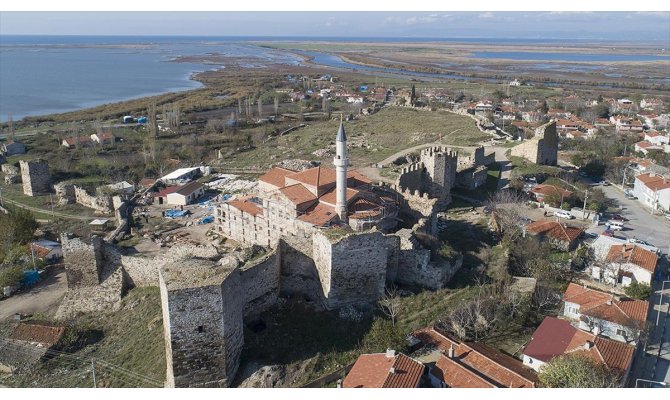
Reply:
x=564 y=214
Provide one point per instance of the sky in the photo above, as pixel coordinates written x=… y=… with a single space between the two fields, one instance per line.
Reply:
x=639 y=26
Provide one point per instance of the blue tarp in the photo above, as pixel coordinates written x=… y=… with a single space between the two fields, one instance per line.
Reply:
x=207 y=220
x=175 y=213
x=227 y=196
x=30 y=278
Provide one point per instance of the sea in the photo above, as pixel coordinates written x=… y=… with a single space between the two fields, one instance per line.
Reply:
x=51 y=74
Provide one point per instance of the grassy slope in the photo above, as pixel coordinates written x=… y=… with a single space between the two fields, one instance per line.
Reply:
x=133 y=340
x=386 y=132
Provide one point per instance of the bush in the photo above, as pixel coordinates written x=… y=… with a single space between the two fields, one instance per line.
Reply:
x=638 y=290
x=11 y=276
x=576 y=371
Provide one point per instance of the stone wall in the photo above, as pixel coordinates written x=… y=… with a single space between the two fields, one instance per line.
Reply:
x=203 y=325
x=65 y=193
x=35 y=177
x=352 y=269
x=298 y=275
x=101 y=203
x=472 y=178
x=541 y=148
x=260 y=283
x=83 y=261
x=9 y=169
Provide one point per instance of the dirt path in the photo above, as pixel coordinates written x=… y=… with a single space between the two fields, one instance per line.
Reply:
x=44 y=297
x=49 y=212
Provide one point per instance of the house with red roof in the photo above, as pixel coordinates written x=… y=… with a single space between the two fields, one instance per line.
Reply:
x=618 y=318
x=645 y=147
x=626 y=263
x=384 y=370
x=456 y=364
x=559 y=235
x=653 y=191
x=555 y=337
x=542 y=191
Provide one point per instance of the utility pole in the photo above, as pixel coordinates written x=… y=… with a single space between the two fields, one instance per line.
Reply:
x=586 y=196
x=95 y=383
x=51 y=202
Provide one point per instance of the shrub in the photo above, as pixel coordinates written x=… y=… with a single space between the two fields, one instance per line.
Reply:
x=11 y=276
x=638 y=290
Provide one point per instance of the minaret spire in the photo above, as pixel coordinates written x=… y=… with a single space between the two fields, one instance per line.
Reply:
x=341 y=162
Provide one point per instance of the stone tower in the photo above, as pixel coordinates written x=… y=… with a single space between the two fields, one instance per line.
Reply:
x=202 y=319
x=441 y=165
x=341 y=162
x=35 y=177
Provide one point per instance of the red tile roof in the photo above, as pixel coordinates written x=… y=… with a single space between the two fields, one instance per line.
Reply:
x=484 y=362
x=555 y=337
x=622 y=311
x=317 y=176
x=38 y=332
x=276 y=176
x=246 y=206
x=167 y=190
x=382 y=371
x=633 y=254
x=555 y=230
x=297 y=194
x=456 y=375
x=330 y=197
x=319 y=215
x=655 y=182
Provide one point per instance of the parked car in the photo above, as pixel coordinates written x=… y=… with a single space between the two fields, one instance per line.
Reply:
x=614 y=225
x=631 y=197
x=638 y=241
x=667 y=216
x=564 y=214
x=618 y=217
x=591 y=235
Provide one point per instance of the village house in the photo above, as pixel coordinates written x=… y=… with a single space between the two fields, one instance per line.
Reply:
x=79 y=141
x=532 y=116
x=12 y=147
x=103 y=138
x=555 y=337
x=28 y=344
x=46 y=250
x=121 y=188
x=621 y=319
x=186 y=194
x=542 y=191
x=656 y=138
x=624 y=264
x=653 y=191
x=456 y=364
x=556 y=113
x=384 y=370
x=181 y=175
x=559 y=235
x=645 y=147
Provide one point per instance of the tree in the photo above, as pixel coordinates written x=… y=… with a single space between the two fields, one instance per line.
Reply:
x=576 y=370
x=508 y=208
x=276 y=105
x=390 y=304
x=412 y=98
x=638 y=290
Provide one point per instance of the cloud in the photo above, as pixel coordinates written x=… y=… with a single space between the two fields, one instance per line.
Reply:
x=486 y=15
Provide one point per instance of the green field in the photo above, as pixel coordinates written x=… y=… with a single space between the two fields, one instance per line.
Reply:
x=371 y=138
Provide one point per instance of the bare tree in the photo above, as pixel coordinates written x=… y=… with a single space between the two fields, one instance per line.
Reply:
x=390 y=304
x=544 y=298
x=510 y=212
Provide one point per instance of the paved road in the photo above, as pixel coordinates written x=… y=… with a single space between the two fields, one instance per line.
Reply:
x=41 y=298
x=654 y=229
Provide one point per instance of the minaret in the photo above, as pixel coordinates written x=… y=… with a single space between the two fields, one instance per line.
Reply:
x=341 y=162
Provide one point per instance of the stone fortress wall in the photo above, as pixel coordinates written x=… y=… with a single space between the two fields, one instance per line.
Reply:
x=542 y=148
x=69 y=193
x=35 y=177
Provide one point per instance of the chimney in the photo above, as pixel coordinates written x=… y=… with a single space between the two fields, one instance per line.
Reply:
x=609 y=301
x=588 y=344
x=392 y=370
x=339 y=383
x=390 y=353
x=451 y=351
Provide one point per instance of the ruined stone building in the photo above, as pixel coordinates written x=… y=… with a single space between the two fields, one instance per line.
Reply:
x=472 y=170
x=542 y=148
x=35 y=177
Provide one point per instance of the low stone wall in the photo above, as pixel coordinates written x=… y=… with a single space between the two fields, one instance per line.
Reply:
x=102 y=204
x=65 y=193
x=9 y=169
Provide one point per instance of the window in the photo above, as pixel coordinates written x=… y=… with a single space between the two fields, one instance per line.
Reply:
x=571 y=310
x=201 y=329
x=621 y=332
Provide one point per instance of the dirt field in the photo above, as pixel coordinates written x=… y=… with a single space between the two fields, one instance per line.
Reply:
x=44 y=298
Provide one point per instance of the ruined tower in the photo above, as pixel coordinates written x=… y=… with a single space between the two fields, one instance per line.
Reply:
x=202 y=318
x=440 y=164
x=341 y=162
x=35 y=177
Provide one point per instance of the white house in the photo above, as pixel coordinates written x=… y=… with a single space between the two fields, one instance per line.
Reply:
x=103 y=138
x=555 y=337
x=653 y=191
x=46 y=250
x=122 y=187
x=626 y=263
x=601 y=313
x=656 y=138
x=181 y=175
x=186 y=194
